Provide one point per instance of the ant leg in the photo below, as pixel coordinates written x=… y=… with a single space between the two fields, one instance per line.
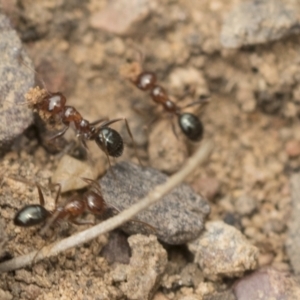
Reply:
x=41 y=196
x=174 y=129
x=83 y=142
x=57 y=193
x=200 y=102
x=145 y=224
x=59 y=134
x=93 y=183
x=129 y=132
x=53 y=218
x=98 y=121
x=134 y=144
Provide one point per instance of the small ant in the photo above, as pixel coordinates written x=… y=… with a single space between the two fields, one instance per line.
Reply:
x=51 y=105
x=90 y=202
x=72 y=210
x=189 y=123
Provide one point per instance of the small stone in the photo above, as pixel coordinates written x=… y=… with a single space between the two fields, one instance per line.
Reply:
x=160 y=296
x=292 y=148
x=122 y=16
x=221 y=250
x=190 y=275
x=209 y=187
x=267 y=283
x=167 y=152
x=69 y=173
x=5 y=295
x=117 y=249
x=245 y=205
x=146 y=267
x=16 y=78
x=256 y=22
x=176 y=219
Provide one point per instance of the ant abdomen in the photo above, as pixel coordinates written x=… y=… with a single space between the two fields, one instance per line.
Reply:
x=31 y=215
x=191 y=126
x=110 y=141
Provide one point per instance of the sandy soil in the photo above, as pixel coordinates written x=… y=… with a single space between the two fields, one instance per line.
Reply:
x=247 y=177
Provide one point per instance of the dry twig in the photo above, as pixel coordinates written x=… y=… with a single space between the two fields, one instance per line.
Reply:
x=84 y=236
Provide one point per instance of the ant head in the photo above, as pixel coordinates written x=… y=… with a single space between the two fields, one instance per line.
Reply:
x=191 y=126
x=31 y=215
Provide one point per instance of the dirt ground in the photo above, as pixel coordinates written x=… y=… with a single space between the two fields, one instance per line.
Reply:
x=257 y=141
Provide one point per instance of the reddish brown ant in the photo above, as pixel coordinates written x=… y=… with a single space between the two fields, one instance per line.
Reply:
x=72 y=210
x=90 y=202
x=53 y=105
x=189 y=123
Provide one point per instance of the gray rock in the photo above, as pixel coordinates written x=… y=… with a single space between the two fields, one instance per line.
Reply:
x=178 y=218
x=256 y=22
x=293 y=240
x=221 y=250
x=267 y=283
x=16 y=79
x=140 y=279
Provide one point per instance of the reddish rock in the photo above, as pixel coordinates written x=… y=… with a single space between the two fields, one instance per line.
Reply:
x=208 y=187
x=292 y=148
x=121 y=16
x=267 y=283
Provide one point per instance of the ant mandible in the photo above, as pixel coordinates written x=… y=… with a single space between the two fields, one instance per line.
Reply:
x=90 y=202
x=54 y=105
x=190 y=124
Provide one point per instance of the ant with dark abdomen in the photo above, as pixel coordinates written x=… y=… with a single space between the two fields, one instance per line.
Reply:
x=72 y=210
x=189 y=123
x=90 y=202
x=53 y=105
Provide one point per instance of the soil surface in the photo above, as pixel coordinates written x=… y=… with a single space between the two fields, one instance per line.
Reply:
x=78 y=48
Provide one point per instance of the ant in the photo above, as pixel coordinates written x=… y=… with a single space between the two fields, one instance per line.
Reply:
x=189 y=123
x=51 y=105
x=90 y=202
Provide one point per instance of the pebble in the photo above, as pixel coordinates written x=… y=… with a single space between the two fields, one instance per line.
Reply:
x=209 y=187
x=267 y=283
x=292 y=148
x=167 y=152
x=255 y=22
x=117 y=248
x=16 y=79
x=177 y=218
x=122 y=16
x=245 y=205
x=5 y=295
x=139 y=280
x=293 y=240
x=69 y=173
x=222 y=251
